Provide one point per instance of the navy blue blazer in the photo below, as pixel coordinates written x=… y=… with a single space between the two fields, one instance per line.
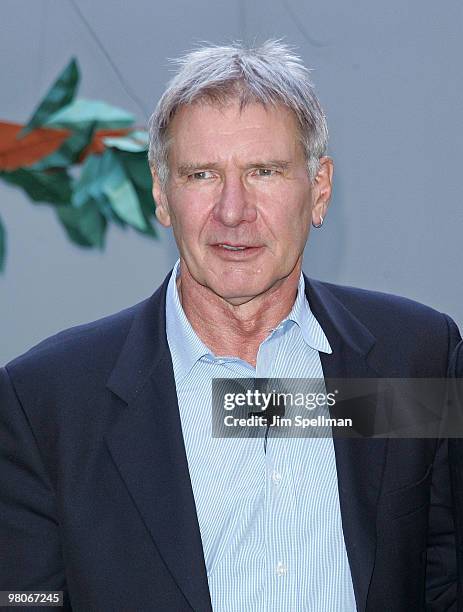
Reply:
x=95 y=494
x=456 y=463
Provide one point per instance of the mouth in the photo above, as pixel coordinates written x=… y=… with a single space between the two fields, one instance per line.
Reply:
x=225 y=249
x=231 y=247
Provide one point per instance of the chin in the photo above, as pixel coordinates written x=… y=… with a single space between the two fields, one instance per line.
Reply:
x=238 y=290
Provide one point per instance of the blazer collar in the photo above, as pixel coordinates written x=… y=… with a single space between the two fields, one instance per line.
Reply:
x=338 y=323
x=146 y=443
x=145 y=346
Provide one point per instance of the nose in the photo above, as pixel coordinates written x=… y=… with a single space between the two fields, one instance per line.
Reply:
x=235 y=203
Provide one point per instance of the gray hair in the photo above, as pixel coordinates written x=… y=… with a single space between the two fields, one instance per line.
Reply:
x=270 y=74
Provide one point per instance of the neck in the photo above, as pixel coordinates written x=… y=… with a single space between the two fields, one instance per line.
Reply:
x=236 y=330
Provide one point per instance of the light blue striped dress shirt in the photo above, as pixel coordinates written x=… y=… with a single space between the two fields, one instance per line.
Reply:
x=270 y=522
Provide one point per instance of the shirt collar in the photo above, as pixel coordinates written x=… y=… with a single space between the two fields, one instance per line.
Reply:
x=185 y=345
x=187 y=348
x=304 y=318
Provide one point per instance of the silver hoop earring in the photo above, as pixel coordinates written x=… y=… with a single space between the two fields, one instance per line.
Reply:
x=317 y=225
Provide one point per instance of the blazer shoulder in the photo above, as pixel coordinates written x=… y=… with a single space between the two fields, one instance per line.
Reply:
x=368 y=302
x=398 y=320
x=87 y=345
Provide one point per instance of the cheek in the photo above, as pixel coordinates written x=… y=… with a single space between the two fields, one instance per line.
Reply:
x=289 y=218
x=189 y=219
x=299 y=214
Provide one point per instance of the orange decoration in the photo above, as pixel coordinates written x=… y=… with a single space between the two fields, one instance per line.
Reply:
x=97 y=145
x=20 y=152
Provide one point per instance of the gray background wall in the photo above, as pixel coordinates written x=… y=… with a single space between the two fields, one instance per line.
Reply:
x=389 y=75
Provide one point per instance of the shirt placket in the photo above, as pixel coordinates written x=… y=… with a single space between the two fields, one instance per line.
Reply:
x=280 y=506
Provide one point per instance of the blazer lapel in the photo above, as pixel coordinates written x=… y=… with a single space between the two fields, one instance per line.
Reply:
x=146 y=444
x=359 y=462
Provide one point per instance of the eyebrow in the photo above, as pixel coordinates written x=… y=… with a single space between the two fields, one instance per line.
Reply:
x=189 y=168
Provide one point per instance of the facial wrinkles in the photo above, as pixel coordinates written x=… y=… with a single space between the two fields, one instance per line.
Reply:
x=230 y=150
x=251 y=234
x=242 y=142
x=261 y=196
x=214 y=231
x=254 y=233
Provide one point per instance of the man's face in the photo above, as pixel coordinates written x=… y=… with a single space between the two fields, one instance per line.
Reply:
x=239 y=197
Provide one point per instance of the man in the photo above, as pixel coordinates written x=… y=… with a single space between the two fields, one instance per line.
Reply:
x=113 y=488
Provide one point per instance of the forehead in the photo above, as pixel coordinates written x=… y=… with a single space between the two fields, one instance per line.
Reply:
x=205 y=129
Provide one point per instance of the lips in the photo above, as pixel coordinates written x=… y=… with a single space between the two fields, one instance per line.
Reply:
x=231 y=247
x=235 y=246
x=235 y=252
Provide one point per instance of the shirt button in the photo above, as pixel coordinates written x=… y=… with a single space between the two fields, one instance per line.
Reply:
x=281 y=569
x=276 y=477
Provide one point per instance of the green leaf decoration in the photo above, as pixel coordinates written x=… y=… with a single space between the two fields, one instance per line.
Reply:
x=141 y=136
x=148 y=208
x=85 y=226
x=70 y=151
x=126 y=143
x=88 y=185
x=54 y=186
x=121 y=193
x=105 y=208
x=82 y=112
x=60 y=94
x=2 y=246
x=137 y=167
x=103 y=180
x=88 y=191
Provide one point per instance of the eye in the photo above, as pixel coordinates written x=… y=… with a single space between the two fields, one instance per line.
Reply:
x=201 y=175
x=265 y=172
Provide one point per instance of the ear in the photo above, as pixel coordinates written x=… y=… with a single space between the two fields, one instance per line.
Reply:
x=322 y=187
x=160 y=200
